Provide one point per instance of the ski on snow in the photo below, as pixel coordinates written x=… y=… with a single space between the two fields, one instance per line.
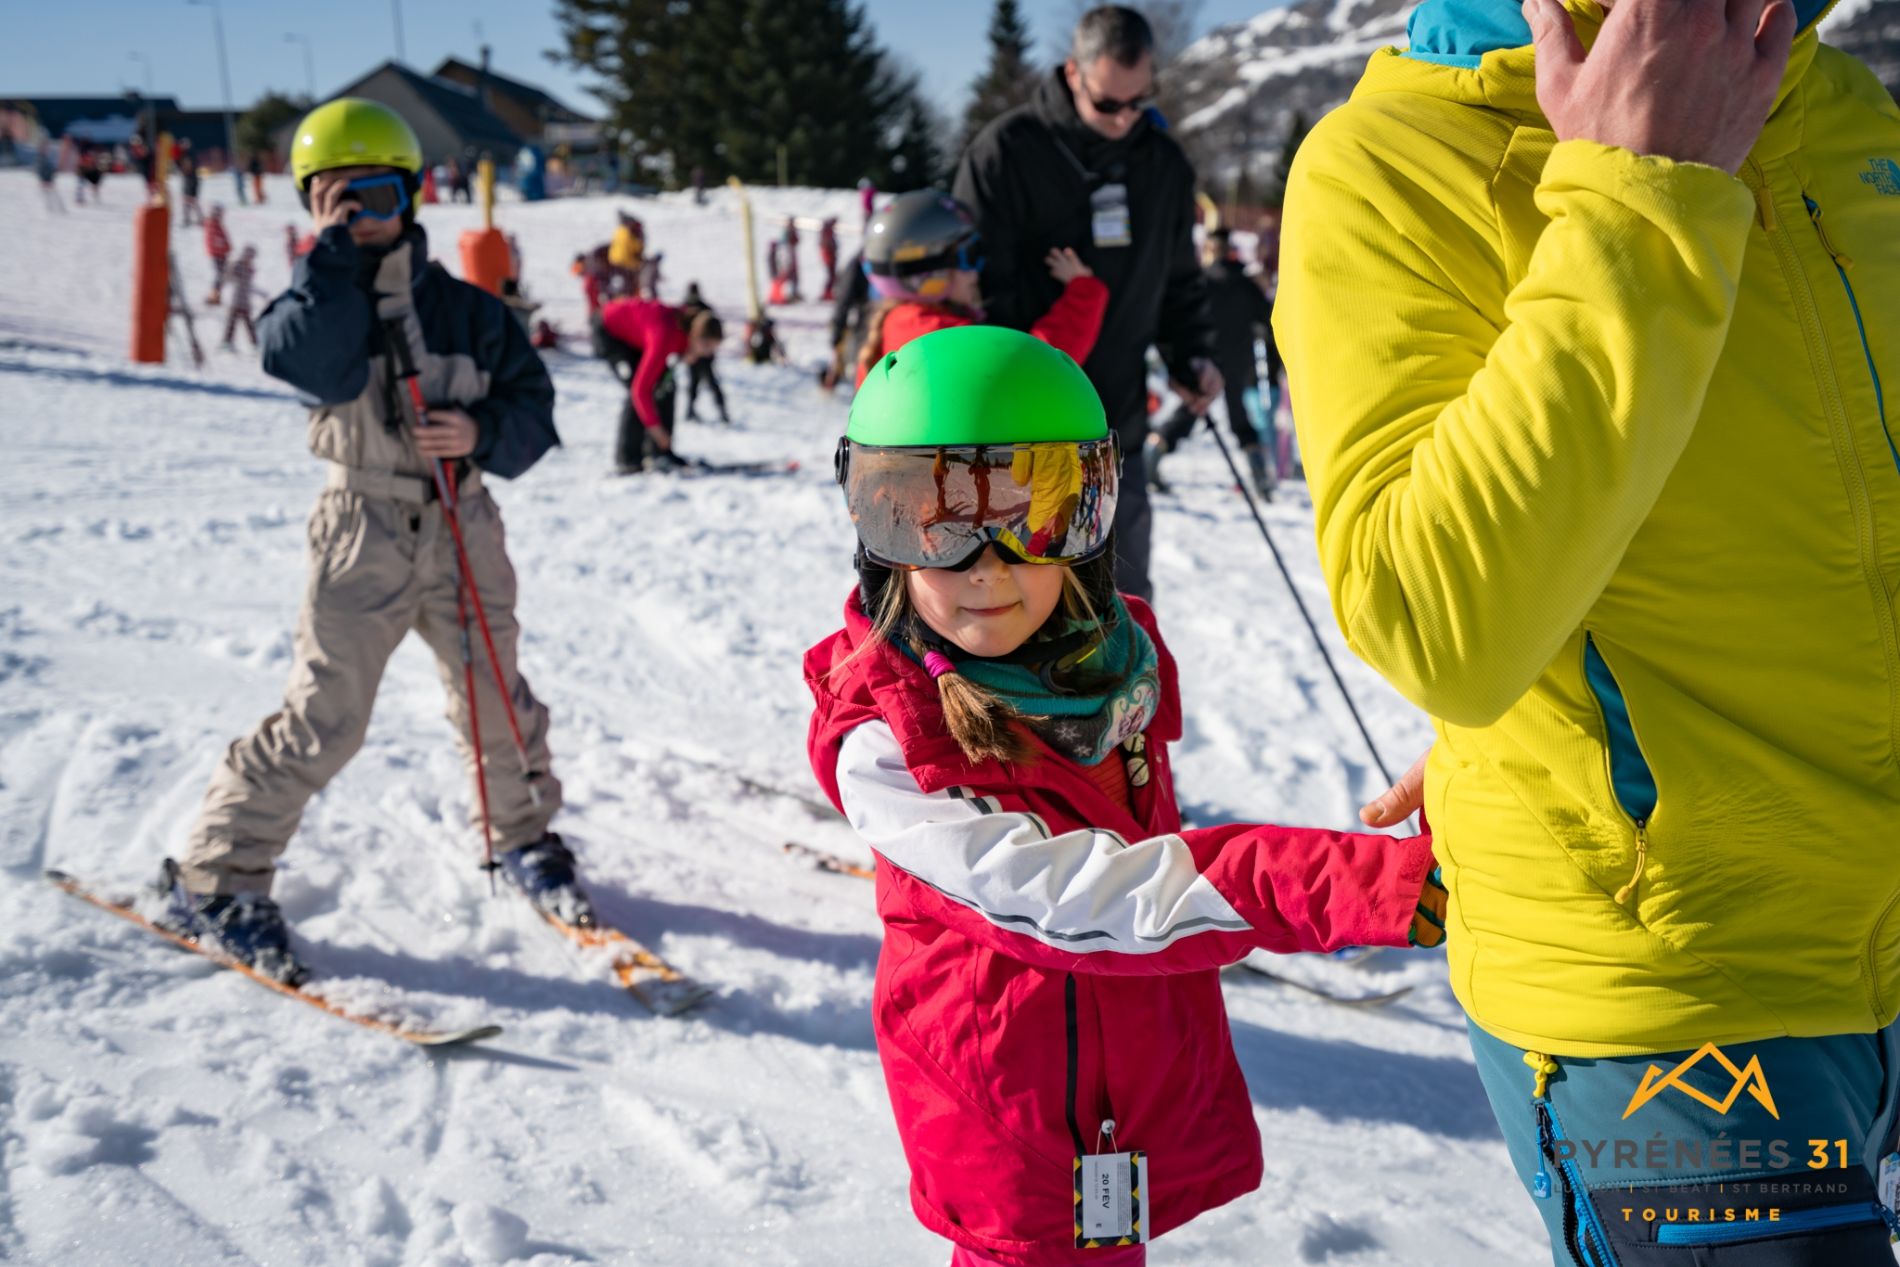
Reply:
x=409 y=1034
x=663 y=989
x=1339 y=997
x=819 y=860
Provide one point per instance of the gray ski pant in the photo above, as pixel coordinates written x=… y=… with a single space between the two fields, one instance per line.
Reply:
x=382 y=562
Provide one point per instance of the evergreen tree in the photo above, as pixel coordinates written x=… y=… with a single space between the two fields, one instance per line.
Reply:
x=1275 y=192
x=1009 y=79
x=724 y=84
x=256 y=127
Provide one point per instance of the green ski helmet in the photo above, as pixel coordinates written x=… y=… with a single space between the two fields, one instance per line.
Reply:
x=352 y=132
x=911 y=246
x=974 y=435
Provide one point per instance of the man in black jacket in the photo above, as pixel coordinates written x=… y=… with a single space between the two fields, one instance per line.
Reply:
x=1088 y=165
x=1241 y=315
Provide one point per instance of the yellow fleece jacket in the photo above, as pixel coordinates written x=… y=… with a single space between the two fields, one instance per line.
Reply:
x=1606 y=482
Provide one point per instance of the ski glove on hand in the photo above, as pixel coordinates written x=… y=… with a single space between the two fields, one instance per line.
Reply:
x=1428 y=918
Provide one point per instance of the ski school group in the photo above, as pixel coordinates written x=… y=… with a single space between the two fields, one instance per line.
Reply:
x=1585 y=309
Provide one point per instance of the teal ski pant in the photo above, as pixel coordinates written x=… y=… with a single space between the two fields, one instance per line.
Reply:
x=1758 y=1154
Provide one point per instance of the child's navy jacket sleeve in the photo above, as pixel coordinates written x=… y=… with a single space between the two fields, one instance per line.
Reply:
x=516 y=418
x=315 y=336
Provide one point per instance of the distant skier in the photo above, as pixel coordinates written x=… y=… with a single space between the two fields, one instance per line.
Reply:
x=218 y=248
x=638 y=338
x=867 y=195
x=762 y=346
x=994 y=720
x=1241 y=313
x=921 y=255
x=850 y=320
x=89 y=175
x=828 y=254
x=256 y=168
x=788 y=260
x=627 y=252
x=46 y=167
x=188 y=181
x=699 y=186
x=364 y=304
x=241 y=276
x=703 y=371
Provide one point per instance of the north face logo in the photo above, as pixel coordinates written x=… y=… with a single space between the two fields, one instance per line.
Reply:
x=1885 y=176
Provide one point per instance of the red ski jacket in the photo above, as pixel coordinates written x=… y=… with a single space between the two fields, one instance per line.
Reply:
x=654 y=329
x=217 y=241
x=1071 y=323
x=1050 y=959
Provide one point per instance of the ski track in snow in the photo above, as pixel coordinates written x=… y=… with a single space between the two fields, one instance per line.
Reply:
x=156 y=1110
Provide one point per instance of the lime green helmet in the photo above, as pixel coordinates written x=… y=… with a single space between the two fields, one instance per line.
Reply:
x=352 y=132
x=977 y=435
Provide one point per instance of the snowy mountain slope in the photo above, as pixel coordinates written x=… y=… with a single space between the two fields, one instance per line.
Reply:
x=155 y=1111
x=1241 y=84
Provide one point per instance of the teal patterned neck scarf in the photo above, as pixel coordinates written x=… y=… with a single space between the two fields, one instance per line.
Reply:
x=1085 y=700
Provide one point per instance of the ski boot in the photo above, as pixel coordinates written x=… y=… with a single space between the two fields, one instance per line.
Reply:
x=1151 y=455
x=665 y=460
x=246 y=927
x=1263 y=481
x=544 y=872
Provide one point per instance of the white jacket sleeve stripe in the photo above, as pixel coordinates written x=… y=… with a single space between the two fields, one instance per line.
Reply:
x=1083 y=890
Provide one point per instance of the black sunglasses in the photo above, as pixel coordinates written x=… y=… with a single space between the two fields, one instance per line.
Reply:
x=1113 y=105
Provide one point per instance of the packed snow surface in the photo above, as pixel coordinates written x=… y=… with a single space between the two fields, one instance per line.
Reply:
x=155 y=1110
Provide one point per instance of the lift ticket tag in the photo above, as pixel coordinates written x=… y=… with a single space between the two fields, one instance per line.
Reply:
x=1111 y=1200
x=1108 y=216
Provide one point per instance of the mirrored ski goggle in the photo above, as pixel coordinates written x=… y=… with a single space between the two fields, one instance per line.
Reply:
x=381 y=197
x=941 y=507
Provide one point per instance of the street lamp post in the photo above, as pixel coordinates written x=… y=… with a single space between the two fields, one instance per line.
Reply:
x=150 y=111
x=309 y=71
x=395 y=7
x=224 y=75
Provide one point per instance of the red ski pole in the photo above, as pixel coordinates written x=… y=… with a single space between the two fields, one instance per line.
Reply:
x=467 y=595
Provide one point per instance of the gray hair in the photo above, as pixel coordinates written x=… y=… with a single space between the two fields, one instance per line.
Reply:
x=1112 y=30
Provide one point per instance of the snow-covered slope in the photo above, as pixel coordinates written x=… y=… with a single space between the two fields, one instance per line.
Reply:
x=1241 y=85
x=155 y=1111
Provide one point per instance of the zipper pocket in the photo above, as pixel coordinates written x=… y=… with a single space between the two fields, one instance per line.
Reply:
x=1818 y=1219
x=1841 y=265
x=1586 y=1240
x=1632 y=782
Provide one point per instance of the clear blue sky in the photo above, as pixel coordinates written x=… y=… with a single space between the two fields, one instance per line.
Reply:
x=76 y=47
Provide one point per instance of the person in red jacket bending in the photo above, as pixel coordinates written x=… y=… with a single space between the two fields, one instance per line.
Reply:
x=921 y=255
x=638 y=338
x=994 y=720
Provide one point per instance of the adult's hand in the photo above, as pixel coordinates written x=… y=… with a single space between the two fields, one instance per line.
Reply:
x=330 y=200
x=1400 y=801
x=1200 y=395
x=1689 y=80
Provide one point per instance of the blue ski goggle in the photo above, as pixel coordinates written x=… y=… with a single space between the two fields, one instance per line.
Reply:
x=965 y=256
x=381 y=197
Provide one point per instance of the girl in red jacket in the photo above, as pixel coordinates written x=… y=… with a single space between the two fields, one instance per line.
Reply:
x=994 y=718
x=921 y=254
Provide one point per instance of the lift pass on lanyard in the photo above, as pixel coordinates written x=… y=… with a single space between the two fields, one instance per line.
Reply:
x=1111 y=1200
x=1108 y=216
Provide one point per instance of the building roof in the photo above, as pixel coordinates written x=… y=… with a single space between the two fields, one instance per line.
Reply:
x=543 y=103
x=58 y=115
x=457 y=107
